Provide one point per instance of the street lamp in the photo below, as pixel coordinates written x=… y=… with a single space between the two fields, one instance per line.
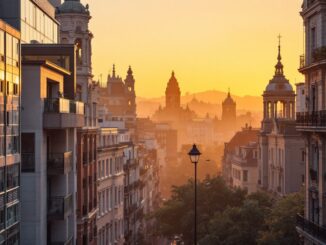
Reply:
x=194 y=155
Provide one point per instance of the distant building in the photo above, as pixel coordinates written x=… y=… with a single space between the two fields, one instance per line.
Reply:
x=173 y=112
x=118 y=98
x=229 y=113
x=244 y=167
x=281 y=147
x=239 y=165
x=10 y=183
x=311 y=122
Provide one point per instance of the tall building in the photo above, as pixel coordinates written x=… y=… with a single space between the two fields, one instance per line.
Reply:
x=50 y=118
x=311 y=123
x=10 y=134
x=110 y=168
x=172 y=94
x=35 y=19
x=74 y=18
x=281 y=167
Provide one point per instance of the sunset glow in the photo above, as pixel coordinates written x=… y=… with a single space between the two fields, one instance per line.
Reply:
x=210 y=44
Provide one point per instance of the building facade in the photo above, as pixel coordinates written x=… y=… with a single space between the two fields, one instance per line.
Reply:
x=244 y=167
x=119 y=98
x=239 y=159
x=49 y=140
x=35 y=19
x=311 y=123
x=10 y=84
x=74 y=19
x=110 y=216
x=280 y=161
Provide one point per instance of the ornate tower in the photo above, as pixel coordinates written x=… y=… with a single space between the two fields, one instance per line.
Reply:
x=279 y=109
x=229 y=110
x=172 y=93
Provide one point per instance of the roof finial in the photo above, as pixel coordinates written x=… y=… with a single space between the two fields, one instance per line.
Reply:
x=172 y=73
x=229 y=92
x=279 y=65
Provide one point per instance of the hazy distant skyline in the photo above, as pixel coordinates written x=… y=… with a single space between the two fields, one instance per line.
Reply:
x=210 y=44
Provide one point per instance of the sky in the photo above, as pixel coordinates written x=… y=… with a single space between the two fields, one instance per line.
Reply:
x=210 y=44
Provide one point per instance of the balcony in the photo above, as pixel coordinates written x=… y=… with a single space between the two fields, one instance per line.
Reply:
x=59 y=208
x=63 y=113
x=311 y=230
x=315 y=120
x=59 y=163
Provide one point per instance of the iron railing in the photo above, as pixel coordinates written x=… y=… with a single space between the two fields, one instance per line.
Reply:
x=311 y=228
x=313 y=119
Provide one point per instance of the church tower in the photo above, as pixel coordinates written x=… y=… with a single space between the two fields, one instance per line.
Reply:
x=130 y=94
x=172 y=94
x=229 y=110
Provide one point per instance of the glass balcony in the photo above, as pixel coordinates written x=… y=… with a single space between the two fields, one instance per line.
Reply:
x=59 y=208
x=63 y=113
x=59 y=163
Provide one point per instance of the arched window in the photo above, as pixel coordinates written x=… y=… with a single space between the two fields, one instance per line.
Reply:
x=78 y=44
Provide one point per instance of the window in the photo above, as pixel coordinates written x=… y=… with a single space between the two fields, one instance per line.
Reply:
x=2 y=46
x=28 y=152
x=12 y=214
x=2 y=179
x=245 y=175
x=13 y=176
x=313 y=38
x=107 y=167
x=303 y=156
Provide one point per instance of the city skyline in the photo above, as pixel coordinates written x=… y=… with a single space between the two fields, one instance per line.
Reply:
x=189 y=37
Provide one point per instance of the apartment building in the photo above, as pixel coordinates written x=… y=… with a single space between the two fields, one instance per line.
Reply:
x=50 y=118
x=110 y=177
x=312 y=124
x=10 y=83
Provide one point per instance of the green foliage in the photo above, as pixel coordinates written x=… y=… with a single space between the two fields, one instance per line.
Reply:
x=281 y=221
x=229 y=216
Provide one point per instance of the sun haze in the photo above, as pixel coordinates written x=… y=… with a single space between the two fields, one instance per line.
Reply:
x=211 y=44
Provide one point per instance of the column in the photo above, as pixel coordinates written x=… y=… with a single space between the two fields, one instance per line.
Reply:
x=288 y=106
x=272 y=110
x=293 y=110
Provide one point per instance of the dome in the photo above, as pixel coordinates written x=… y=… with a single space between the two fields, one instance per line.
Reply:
x=279 y=86
x=72 y=6
x=228 y=100
x=173 y=85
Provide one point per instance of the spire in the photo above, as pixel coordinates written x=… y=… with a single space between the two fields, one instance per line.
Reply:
x=229 y=93
x=113 y=71
x=129 y=71
x=279 y=65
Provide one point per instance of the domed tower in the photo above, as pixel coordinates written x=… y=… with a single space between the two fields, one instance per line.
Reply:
x=172 y=94
x=279 y=97
x=279 y=116
x=229 y=110
x=130 y=93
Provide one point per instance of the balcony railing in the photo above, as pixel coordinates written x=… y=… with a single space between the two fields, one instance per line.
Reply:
x=59 y=207
x=311 y=228
x=312 y=119
x=59 y=163
x=61 y=105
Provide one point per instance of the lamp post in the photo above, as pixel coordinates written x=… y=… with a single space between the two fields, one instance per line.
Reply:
x=194 y=155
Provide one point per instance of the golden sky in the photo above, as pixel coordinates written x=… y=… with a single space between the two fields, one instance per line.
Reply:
x=211 y=44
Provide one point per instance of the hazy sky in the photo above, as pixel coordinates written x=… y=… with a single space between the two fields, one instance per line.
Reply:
x=210 y=44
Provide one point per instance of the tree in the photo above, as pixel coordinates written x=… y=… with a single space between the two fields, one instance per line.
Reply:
x=281 y=221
